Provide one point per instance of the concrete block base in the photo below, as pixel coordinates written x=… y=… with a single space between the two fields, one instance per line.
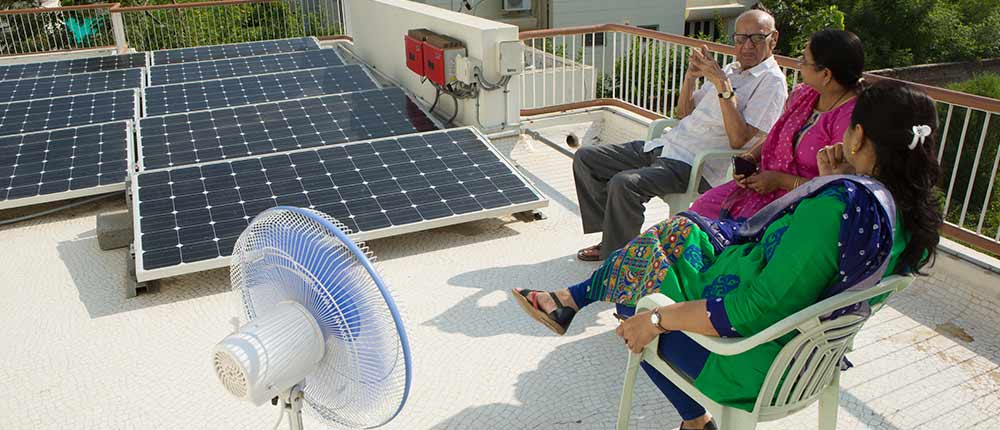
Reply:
x=114 y=230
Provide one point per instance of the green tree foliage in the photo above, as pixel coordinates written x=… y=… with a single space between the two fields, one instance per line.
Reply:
x=798 y=19
x=897 y=33
x=986 y=85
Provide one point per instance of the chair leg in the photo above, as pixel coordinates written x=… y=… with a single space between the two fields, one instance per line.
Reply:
x=829 y=402
x=729 y=420
x=628 y=388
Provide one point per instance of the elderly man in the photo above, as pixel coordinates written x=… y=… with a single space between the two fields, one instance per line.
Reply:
x=735 y=104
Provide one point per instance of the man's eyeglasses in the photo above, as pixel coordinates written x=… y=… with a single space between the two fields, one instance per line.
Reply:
x=755 y=39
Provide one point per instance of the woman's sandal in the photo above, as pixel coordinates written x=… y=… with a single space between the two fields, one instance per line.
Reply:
x=590 y=253
x=710 y=425
x=558 y=320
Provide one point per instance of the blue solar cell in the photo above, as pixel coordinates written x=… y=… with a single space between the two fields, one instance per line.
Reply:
x=181 y=139
x=39 y=166
x=45 y=114
x=244 y=66
x=59 y=86
x=70 y=67
x=212 y=203
x=247 y=49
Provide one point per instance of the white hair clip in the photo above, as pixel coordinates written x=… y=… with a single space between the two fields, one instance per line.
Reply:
x=920 y=132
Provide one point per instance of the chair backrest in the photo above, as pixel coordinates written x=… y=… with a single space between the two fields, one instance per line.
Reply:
x=808 y=363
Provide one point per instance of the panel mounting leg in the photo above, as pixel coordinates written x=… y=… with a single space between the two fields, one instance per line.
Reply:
x=530 y=216
x=132 y=286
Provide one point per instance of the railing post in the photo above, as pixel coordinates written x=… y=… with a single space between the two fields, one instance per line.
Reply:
x=118 y=27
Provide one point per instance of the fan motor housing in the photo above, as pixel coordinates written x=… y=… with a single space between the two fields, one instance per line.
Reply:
x=269 y=354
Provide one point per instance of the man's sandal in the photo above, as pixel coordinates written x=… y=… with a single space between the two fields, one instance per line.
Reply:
x=558 y=320
x=590 y=253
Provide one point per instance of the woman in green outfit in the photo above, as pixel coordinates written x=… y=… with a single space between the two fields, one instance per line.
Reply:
x=873 y=213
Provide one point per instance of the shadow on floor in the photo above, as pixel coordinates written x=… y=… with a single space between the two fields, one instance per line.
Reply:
x=453 y=236
x=507 y=317
x=100 y=278
x=577 y=385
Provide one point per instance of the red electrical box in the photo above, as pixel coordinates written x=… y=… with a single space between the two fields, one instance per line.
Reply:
x=414 y=41
x=414 y=54
x=439 y=58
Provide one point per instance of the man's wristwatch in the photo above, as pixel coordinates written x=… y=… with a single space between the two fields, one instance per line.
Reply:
x=654 y=317
x=726 y=95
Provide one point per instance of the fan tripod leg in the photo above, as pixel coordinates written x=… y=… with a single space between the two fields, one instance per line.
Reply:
x=291 y=402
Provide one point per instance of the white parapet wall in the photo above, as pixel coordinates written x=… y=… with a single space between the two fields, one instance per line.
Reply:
x=378 y=27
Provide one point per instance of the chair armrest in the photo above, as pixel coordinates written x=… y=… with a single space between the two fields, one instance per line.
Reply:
x=657 y=127
x=699 y=165
x=801 y=320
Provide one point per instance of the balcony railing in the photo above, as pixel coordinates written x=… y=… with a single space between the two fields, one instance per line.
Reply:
x=642 y=70
x=143 y=28
x=212 y=23
x=29 y=31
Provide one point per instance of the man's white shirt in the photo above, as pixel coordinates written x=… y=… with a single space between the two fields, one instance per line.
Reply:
x=760 y=97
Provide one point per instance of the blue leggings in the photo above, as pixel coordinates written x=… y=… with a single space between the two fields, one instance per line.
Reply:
x=675 y=348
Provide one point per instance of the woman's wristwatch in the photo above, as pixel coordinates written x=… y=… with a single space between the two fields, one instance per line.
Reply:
x=654 y=317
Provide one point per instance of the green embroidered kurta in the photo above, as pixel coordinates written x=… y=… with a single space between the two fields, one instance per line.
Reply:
x=764 y=282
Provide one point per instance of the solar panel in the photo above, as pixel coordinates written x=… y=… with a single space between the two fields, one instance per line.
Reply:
x=63 y=164
x=198 y=137
x=247 y=90
x=46 y=114
x=69 y=67
x=245 y=66
x=58 y=86
x=188 y=219
x=248 y=49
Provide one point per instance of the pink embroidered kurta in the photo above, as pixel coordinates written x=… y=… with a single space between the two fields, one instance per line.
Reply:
x=780 y=153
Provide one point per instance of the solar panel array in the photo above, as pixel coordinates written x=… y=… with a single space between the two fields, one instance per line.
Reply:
x=81 y=161
x=193 y=96
x=234 y=50
x=232 y=130
x=189 y=138
x=47 y=114
x=194 y=214
x=244 y=66
x=69 y=67
x=58 y=86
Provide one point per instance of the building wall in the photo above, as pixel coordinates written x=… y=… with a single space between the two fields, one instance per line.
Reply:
x=667 y=14
x=942 y=74
x=381 y=46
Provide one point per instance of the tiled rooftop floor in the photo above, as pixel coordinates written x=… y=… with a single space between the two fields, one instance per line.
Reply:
x=77 y=354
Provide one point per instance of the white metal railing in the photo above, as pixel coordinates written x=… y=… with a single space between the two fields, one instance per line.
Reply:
x=29 y=31
x=642 y=71
x=212 y=23
x=143 y=28
x=641 y=68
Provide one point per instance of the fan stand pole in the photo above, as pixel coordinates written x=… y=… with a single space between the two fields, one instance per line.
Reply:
x=291 y=401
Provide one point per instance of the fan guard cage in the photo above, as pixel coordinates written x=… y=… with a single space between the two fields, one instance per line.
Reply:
x=306 y=256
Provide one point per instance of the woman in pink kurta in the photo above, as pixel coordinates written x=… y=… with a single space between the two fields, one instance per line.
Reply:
x=816 y=115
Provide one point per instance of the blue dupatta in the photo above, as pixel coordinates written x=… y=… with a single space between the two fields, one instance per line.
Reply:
x=866 y=231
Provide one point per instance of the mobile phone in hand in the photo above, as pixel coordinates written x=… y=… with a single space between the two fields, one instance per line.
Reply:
x=744 y=167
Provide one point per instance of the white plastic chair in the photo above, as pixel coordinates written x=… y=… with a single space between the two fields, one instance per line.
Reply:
x=811 y=361
x=682 y=201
